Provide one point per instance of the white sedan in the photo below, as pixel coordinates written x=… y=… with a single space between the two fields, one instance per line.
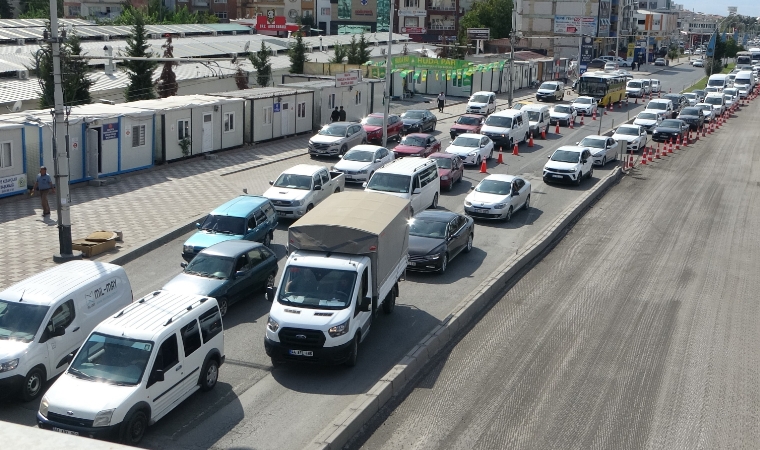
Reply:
x=564 y=114
x=497 y=197
x=359 y=163
x=603 y=148
x=648 y=120
x=472 y=148
x=584 y=105
x=635 y=135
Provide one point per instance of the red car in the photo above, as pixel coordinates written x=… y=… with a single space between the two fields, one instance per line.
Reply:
x=467 y=123
x=417 y=144
x=450 y=169
x=373 y=125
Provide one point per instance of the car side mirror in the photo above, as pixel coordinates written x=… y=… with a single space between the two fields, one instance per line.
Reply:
x=270 y=293
x=198 y=226
x=378 y=160
x=183 y=265
x=58 y=331
x=271 y=182
x=239 y=273
x=577 y=143
x=365 y=304
x=317 y=187
x=417 y=191
x=156 y=376
x=472 y=188
x=583 y=161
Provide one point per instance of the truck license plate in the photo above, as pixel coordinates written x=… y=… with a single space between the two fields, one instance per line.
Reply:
x=60 y=430
x=301 y=353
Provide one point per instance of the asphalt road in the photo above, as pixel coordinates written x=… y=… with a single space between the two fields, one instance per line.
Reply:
x=256 y=406
x=638 y=331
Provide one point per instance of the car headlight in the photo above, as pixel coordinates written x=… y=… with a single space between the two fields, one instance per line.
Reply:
x=500 y=206
x=296 y=202
x=103 y=418
x=599 y=153
x=468 y=204
x=311 y=143
x=452 y=130
x=340 y=329
x=7 y=366
x=272 y=325
x=44 y=406
x=473 y=153
x=185 y=248
x=444 y=178
x=433 y=257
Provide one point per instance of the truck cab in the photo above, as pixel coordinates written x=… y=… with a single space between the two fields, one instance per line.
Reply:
x=300 y=188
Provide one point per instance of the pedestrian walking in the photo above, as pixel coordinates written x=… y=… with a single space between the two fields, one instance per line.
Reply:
x=342 y=114
x=441 y=101
x=335 y=116
x=44 y=185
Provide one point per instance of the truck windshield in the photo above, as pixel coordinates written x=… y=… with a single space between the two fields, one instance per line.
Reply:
x=112 y=359
x=20 y=321
x=317 y=288
x=224 y=224
x=389 y=182
x=716 y=83
x=293 y=181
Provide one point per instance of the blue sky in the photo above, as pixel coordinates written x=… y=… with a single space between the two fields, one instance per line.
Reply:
x=746 y=7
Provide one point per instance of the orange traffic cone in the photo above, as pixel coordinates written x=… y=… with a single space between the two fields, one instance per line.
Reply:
x=515 y=151
x=657 y=154
x=659 y=95
x=543 y=134
x=630 y=161
x=501 y=156
x=582 y=116
x=620 y=104
x=644 y=157
x=530 y=141
x=650 y=156
x=593 y=115
x=687 y=139
x=571 y=123
x=483 y=167
x=678 y=143
x=604 y=110
x=556 y=129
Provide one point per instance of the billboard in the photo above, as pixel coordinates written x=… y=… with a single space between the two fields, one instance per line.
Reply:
x=587 y=49
x=270 y=22
x=575 y=25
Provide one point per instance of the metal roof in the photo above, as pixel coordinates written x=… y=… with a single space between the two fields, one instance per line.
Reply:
x=178 y=102
x=262 y=92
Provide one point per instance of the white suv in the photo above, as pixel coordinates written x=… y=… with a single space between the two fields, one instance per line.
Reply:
x=569 y=164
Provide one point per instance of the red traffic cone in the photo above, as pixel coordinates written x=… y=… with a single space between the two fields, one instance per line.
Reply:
x=501 y=157
x=644 y=157
x=556 y=129
x=659 y=95
x=670 y=148
x=572 y=122
x=582 y=116
x=687 y=139
x=593 y=115
x=670 y=90
x=678 y=142
x=630 y=162
x=620 y=104
x=703 y=132
x=530 y=141
x=515 y=151
x=543 y=134
x=483 y=167
x=657 y=154
x=650 y=156
x=604 y=110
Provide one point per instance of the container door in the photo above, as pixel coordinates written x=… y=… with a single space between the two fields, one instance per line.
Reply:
x=208 y=133
x=94 y=155
x=285 y=119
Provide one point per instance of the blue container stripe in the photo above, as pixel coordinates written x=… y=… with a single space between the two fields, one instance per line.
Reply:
x=118 y=147
x=23 y=149
x=39 y=136
x=84 y=151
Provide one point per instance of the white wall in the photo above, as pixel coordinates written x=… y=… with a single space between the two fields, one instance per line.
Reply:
x=10 y=183
x=263 y=123
x=234 y=137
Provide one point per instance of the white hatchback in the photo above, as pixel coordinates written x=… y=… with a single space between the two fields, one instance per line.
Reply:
x=359 y=163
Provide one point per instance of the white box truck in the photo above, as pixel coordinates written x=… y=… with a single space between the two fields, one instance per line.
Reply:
x=347 y=256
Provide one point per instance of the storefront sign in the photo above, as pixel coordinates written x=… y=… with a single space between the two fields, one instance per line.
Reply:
x=482 y=34
x=12 y=184
x=346 y=79
x=364 y=12
x=574 y=25
x=412 y=12
x=110 y=131
x=270 y=22
x=276 y=107
x=413 y=30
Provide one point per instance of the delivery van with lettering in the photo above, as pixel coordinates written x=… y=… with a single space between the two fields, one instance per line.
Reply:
x=46 y=318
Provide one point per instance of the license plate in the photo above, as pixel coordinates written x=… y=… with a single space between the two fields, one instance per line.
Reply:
x=349 y=177
x=411 y=264
x=281 y=214
x=301 y=352
x=556 y=176
x=73 y=433
x=481 y=210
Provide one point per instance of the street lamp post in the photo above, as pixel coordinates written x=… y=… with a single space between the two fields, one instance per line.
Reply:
x=388 y=78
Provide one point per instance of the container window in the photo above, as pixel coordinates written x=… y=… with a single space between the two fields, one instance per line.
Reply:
x=6 y=154
x=138 y=135
x=229 y=121
x=183 y=129
x=267 y=115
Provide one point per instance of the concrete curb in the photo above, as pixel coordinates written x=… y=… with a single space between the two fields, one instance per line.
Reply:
x=356 y=415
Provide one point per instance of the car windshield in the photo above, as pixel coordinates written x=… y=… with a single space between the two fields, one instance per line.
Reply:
x=20 y=321
x=563 y=109
x=716 y=83
x=690 y=112
x=627 y=131
x=336 y=129
x=115 y=360
x=317 y=288
x=224 y=224
x=389 y=182
x=494 y=187
x=533 y=116
x=499 y=121
x=479 y=99
x=359 y=155
x=583 y=101
x=378 y=121
x=690 y=96
x=548 y=86
x=443 y=163
x=414 y=141
x=714 y=100
x=566 y=156
x=427 y=228
x=647 y=116
x=700 y=92
x=634 y=84
x=293 y=181
x=658 y=106
x=593 y=142
x=462 y=141
x=413 y=115
x=670 y=124
x=210 y=266
x=463 y=120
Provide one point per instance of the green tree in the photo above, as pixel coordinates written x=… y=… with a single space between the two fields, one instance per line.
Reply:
x=74 y=80
x=339 y=54
x=493 y=14
x=297 y=54
x=241 y=78
x=732 y=47
x=38 y=9
x=166 y=85
x=6 y=10
x=352 y=50
x=358 y=51
x=140 y=72
x=261 y=63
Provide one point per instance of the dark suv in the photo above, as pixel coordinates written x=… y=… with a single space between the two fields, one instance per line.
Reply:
x=679 y=102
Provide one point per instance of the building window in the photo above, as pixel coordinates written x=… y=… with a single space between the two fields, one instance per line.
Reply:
x=229 y=121
x=220 y=1
x=6 y=154
x=75 y=10
x=358 y=97
x=331 y=101
x=138 y=135
x=301 y=110
x=267 y=115
x=221 y=15
x=183 y=129
x=411 y=3
x=411 y=21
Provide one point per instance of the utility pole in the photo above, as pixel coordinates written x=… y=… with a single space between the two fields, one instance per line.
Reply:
x=512 y=59
x=60 y=149
x=387 y=94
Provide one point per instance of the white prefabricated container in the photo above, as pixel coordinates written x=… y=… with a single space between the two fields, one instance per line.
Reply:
x=13 y=176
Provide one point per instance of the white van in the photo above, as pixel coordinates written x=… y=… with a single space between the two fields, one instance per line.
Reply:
x=744 y=82
x=45 y=318
x=507 y=127
x=414 y=179
x=137 y=366
x=538 y=119
x=718 y=81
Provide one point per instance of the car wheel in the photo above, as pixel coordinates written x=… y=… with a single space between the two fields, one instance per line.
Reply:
x=268 y=239
x=434 y=205
x=526 y=205
x=135 y=428
x=508 y=217
x=343 y=150
x=351 y=362
x=210 y=375
x=310 y=207
x=269 y=282
x=490 y=154
x=337 y=189
x=468 y=248
x=445 y=262
x=478 y=161
x=390 y=303
x=604 y=161
x=364 y=141
x=453 y=136
x=33 y=383
x=526 y=137
x=578 y=180
x=590 y=173
x=223 y=306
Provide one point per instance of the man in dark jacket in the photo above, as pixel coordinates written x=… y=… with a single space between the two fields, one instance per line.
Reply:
x=335 y=116
x=342 y=114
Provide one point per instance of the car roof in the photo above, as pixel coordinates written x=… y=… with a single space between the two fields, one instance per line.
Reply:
x=508 y=112
x=304 y=169
x=443 y=155
x=483 y=93
x=380 y=115
x=474 y=116
x=366 y=147
x=471 y=135
x=595 y=136
x=230 y=248
x=534 y=107
x=582 y=96
x=438 y=215
x=403 y=166
x=425 y=135
x=240 y=206
x=416 y=110
x=500 y=177
x=572 y=148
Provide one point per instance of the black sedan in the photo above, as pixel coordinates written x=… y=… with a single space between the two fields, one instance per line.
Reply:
x=436 y=237
x=694 y=116
x=228 y=271
x=418 y=121
x=670 y=129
